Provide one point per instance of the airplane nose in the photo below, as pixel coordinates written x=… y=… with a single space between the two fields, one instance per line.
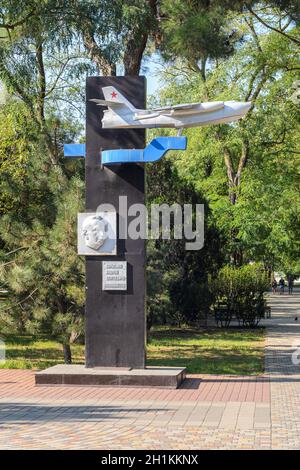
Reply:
x=240 y=107
x=245 y=106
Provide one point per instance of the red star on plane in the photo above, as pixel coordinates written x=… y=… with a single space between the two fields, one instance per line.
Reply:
x=113 y=94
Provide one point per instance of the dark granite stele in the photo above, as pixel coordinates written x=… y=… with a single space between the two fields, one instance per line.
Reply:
x=64 y=374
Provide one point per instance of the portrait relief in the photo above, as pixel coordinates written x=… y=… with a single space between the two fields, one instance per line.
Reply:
x=94 y=231
x=97 y=233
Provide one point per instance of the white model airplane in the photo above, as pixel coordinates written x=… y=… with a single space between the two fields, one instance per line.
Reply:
x=122 y=114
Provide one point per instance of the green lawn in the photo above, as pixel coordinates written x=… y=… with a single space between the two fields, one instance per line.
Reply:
x=29 y=352
x=217 y=351
x=201 y=351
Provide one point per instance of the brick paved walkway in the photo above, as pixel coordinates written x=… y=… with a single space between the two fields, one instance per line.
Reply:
x=282 y=339
x=219 y=412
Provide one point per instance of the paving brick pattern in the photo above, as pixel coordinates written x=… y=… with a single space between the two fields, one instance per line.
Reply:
x=282 y=341
x=207 y=412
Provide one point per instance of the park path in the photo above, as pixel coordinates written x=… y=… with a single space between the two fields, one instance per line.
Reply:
x=207 y=412
x=283 y=340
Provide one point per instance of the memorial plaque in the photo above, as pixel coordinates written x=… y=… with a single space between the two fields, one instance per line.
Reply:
x=114 y=275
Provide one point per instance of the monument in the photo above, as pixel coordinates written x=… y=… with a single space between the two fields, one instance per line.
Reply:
x=115 y=157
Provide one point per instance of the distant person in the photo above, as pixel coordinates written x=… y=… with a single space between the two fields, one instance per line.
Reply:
x=281 y=285
x=291 y=284
x=274 y=286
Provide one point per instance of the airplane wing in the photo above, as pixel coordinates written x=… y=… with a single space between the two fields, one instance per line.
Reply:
x=177 y=106
x=145 y=115
x=180 y=109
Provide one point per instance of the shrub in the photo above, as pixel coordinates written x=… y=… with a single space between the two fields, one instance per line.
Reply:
x=242 y=291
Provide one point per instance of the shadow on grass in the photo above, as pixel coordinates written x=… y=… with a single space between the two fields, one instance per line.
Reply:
x=215 y=351
x=165 y=335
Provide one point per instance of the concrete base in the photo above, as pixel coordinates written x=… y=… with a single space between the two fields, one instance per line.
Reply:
x=167 y=377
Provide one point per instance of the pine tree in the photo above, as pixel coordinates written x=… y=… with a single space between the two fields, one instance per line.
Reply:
x=39 y=267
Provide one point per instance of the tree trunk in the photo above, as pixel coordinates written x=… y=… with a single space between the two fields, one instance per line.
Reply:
x=134 y=53
x=67 y=353
x=42 y=83
x=230 y=176
x=137 y=41
x=95 y=52
x=53 y=150
x=73 y=336
x=242 y=162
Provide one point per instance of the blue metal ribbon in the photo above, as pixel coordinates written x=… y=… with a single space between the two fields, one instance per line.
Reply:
x=74 y=150
x=152 y=153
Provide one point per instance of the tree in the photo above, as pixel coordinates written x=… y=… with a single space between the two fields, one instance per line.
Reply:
x=283 y=22
x=41 y=62
x=43 y=272
x=111 y=32
x=197 y=31
x=37 y=61
x=178 y=279
x=260 y=70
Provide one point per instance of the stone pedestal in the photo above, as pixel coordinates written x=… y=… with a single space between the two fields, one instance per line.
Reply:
x=166 y=377
x=115 y=320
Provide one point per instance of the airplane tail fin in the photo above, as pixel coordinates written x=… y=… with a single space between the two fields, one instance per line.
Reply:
x=114 y=100
x=114 y=97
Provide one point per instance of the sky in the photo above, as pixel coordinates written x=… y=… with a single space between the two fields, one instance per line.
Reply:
x=153 y=68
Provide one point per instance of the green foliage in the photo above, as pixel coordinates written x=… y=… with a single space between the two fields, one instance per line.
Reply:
x=44 y=272
x=16 y=136
x=178 y=279
x=246 y=282
x=44 y=285
x=258 y=213
x=39 y=266
x=198 y=30
x=242 y=290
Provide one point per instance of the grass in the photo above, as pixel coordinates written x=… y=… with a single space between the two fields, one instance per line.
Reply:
x=214 y=351
x=29 y=352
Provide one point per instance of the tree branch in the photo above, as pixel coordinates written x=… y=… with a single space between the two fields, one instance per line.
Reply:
x=242 y=161
x=19 y=22
x=16 y=250
x=254 y=95
x=58 y=76
x=279 y=31
x=254 y=33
